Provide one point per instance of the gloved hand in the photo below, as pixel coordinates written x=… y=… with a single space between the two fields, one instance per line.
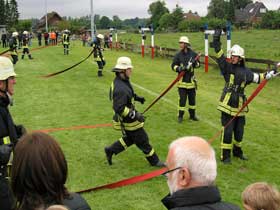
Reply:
x=5 y=152
x=139 y=117
x=21 y=130
x=270 y=74
x=139 y=98
x=136 y=115
x=180 y=69
x=216 y=44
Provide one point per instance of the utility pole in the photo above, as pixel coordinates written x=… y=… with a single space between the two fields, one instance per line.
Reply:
x=46 y=15
x=92 y=26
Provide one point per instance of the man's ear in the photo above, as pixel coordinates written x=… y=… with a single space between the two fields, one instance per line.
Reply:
x=184 y=177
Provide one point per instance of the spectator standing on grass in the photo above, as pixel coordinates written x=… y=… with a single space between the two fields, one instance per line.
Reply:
x=39 y=174
x=261 y=196
x=191 y=174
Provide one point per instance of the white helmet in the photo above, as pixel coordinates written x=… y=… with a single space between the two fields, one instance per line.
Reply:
x=236 y=50
x=14 y=34
x=184 y=39
x=6 y=68
x=123 y=63
x=100 y=36
x=25 y=32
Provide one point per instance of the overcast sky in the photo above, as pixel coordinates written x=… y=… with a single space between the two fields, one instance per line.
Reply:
x=123 y=8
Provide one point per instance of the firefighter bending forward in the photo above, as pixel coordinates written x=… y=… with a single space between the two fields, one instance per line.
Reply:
x=9 y=132
x=236 y=77
x=187 y=85
x=126 y=117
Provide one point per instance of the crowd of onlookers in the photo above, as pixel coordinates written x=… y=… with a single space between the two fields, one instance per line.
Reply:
x=39 y=173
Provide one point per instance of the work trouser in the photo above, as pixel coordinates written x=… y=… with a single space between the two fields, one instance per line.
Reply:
x=14 y=58
x=66 y=49
x=6 y=196
x=140 y=138
x=236 y=127
x=185 y=94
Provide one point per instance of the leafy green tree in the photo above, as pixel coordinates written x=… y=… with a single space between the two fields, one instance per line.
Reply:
x=165 y=22
x=117 y=22
x=177 y=16
x=156 y=10
x=24 y=25
x=14 y=14
x=2 y=12
x=105 y=22
x=7 y=13
x=271 y=20
x=217 y=9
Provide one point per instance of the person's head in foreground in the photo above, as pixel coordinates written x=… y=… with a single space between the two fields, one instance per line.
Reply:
x=261 y=196
x=39 y=172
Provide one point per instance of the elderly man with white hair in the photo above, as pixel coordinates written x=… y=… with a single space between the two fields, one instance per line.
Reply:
x=191 y=176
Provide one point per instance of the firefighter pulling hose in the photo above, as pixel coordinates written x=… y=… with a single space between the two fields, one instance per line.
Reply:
x=236 y=77
x=126 y=117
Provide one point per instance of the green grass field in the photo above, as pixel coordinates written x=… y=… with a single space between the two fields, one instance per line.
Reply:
x=79 y=97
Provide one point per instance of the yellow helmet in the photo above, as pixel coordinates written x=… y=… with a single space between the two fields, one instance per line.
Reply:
x=123 y=63
x=25 y=32
x=6 y=68
x=184 y=39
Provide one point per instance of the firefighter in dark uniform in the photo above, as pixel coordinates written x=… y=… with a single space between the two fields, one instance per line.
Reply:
x=25 y=47
x=97 y=54
x=66 y=41
x=236 y=77
x=126 y=117
x=187 y=85
x=9 y=132
x=13 y=47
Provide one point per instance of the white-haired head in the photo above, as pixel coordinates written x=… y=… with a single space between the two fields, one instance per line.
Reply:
x=197 y=156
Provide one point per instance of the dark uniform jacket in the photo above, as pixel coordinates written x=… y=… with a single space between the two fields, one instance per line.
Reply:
x=25 y=41
x=65 y=39
x=123 y=95
x=198 y=198
x=76 y=202
x=97 y=51
x=237 y=78
x=182 y=58
x=13 y=45
x=7 y=126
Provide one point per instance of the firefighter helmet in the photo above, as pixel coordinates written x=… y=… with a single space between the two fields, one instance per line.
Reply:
x=123 y=63
x=100 y=36
x=236 y=50
x=25 y=32
x=184 y=39
x=6 y=68
x=14 y=34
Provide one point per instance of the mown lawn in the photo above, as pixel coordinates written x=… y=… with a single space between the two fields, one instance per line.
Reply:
x=79 y=97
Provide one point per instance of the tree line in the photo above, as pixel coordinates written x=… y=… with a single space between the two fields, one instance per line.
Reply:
x=9 y=13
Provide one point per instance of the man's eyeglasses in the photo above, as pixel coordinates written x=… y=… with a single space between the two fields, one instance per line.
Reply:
x=169 y=171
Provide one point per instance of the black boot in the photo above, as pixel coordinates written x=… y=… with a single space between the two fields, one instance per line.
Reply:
x=115 y=148
x=192 y=115
x=154 y=161
x=237 y=152
x=22 y=56
x=226 y=156
x=29 y=56
x=109 y=153
x=180 y=116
